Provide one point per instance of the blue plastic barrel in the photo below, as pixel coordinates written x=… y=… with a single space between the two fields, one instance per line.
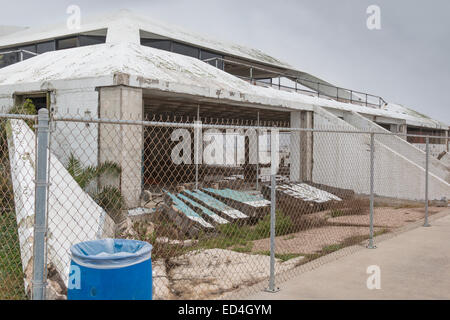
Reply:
x=110 y=269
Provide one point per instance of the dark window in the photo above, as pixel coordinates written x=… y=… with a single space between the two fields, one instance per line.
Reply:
x=185 y=50
x=38 y=100
x=384 y=125
x=26 y=55
x=266 y=80
x=45 y=47
x=8 y=58
x=67 y=43
x=208 y=55
x=31 y=48
x=91 y=40
x=157 y=43
x=42 y=47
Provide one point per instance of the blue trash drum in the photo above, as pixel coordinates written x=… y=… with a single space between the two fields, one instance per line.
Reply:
x=110 y=269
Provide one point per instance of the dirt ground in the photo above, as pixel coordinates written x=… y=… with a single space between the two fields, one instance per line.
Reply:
x=338 y=229
x=387 y=217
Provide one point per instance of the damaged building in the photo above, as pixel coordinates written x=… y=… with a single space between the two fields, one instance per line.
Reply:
x=122 y=66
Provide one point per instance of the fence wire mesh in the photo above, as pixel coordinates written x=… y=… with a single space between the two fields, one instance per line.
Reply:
x=200 y=193
x=16 y=228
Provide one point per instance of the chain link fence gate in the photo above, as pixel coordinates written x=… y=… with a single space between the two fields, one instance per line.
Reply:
x=229 y=206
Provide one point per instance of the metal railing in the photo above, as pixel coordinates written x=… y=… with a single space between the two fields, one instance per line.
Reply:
x=342 y=94
x=14 y=56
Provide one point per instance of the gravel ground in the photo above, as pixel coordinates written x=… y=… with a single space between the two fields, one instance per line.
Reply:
x=214 y=272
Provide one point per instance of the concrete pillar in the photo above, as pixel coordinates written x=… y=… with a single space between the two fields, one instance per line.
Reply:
x=403 y=128
x=122 y=144
x=307 y=145
x=446 y=141
x=301 y=146
x=295 y=146
x=394 y=128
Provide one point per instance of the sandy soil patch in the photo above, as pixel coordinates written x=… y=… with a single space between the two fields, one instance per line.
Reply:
x=312 y=240
x=341 y=228
x=387 y=217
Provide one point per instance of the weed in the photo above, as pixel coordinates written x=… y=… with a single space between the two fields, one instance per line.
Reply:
x=11 y=274
x=283 y=225
x=337 y=213
x=110 y=199
x=244 y=249
x=347 y=242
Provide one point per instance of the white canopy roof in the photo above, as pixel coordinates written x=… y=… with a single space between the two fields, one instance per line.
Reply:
x=173 y=72
x=7 y=30
x=125 y=26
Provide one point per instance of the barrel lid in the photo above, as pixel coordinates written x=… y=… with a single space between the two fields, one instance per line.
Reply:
x=110 y=253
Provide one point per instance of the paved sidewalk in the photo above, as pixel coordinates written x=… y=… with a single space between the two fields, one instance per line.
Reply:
x=414 y=265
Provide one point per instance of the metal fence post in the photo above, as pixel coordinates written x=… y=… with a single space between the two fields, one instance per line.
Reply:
x=273 y=170
x=427 y=155
x=40 y=225
x=257 y=151
x=372 y=149
x=197 y=151
x=271 y=287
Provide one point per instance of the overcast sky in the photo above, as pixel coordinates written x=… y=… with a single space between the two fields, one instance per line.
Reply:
x=406 y=61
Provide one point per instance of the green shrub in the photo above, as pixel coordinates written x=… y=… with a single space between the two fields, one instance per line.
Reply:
x=27 y=108
x=238 y=236
x=283 y=225
x=85 y=175
x=110 y=198
x=337 y=213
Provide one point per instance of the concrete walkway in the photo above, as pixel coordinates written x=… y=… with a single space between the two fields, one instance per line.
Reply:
x=414 y=265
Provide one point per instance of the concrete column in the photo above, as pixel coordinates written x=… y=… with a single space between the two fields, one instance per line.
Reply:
x=295 y=147
x=446 y=141
x=301 y=146
x=307 y=145
x=394 y=128
x=122 y=144
x=403 y=128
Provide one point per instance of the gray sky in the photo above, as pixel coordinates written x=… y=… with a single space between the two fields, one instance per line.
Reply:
x=407 y=61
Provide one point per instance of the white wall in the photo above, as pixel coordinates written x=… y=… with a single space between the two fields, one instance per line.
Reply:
x=72 y=214
x=343 y=160
x=77 y=138
x=435 y=149
x=68 y=97
x=400 y=146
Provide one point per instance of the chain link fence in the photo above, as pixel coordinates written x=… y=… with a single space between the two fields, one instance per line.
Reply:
x=14 y=257
x=229 y=206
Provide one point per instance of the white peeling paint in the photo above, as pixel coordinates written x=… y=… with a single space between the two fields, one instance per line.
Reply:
x=72 y=214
